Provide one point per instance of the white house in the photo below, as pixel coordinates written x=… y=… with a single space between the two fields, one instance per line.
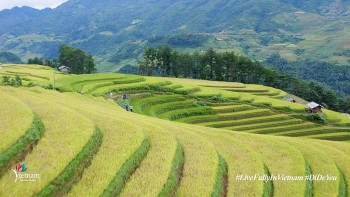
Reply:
x=63 y=69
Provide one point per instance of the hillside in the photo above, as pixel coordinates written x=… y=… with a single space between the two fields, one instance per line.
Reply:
x=116 y=31
x=7 y=57
x=336 y=77
x=98 y=148
x=206 y=101
x=19 y=16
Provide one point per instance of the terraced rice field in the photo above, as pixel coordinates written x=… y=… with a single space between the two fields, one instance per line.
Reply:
x=37 y=75
x=65 y=136
x=236 y=87
x=235 y=116
x=18 y=117
x=83 y=145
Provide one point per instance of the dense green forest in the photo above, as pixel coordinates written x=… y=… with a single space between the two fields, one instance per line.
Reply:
x=46 y=62
x=228 y=66
x=76 y=59
x=7 y=57
x=179 y=40
x=335 y=77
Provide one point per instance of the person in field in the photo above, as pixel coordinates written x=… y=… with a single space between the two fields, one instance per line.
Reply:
x=124 y=97
x=126 y=107
x=131 y=108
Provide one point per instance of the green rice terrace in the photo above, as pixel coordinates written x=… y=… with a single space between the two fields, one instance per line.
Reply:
x=184 y=138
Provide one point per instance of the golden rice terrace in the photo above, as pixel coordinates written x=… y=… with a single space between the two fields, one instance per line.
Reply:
x=184 y=138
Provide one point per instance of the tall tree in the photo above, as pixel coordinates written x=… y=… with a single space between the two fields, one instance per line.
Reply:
x=210 y=59
x=76 y=60
x=196 y=58
x=346 y=105
x=149 y=63
x=164 y=55
x=330 y=99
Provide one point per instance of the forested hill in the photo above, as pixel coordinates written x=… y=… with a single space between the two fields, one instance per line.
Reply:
x=117 y=30
x=227 y=66
x=7 y=57
x=18 y=17
x=336 y=77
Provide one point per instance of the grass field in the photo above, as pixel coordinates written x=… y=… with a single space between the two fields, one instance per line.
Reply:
x=91 y=146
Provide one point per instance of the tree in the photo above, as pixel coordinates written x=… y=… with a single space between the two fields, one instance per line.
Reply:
x=35 y=60
x=76 y=60
x=89 y=64
x=150 y=61
x=5 y=80
x=54 y=63
x=164 y=56
x=196 y=58
x=346 y=105
x=187 y=64
x=210 y=58
x=228 y=64
x=330 y=99
x=175 y=65
x=206 y=72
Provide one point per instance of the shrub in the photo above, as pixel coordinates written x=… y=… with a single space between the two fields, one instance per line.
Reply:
x=201 y=103
x=218 y=98
x=318 y=118
x=48 y=87
x=5 y=80
x=16 y=82
x=31 y=84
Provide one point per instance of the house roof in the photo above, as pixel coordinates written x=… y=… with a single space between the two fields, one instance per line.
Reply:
x=313 y=105
x=287 y=99
x=63 y=67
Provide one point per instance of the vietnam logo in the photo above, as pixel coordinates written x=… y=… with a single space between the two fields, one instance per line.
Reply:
x=22 y=176
x=21 y=167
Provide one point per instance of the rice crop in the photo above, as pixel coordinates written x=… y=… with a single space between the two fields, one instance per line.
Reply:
x=16 y=119
x=63 y=128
